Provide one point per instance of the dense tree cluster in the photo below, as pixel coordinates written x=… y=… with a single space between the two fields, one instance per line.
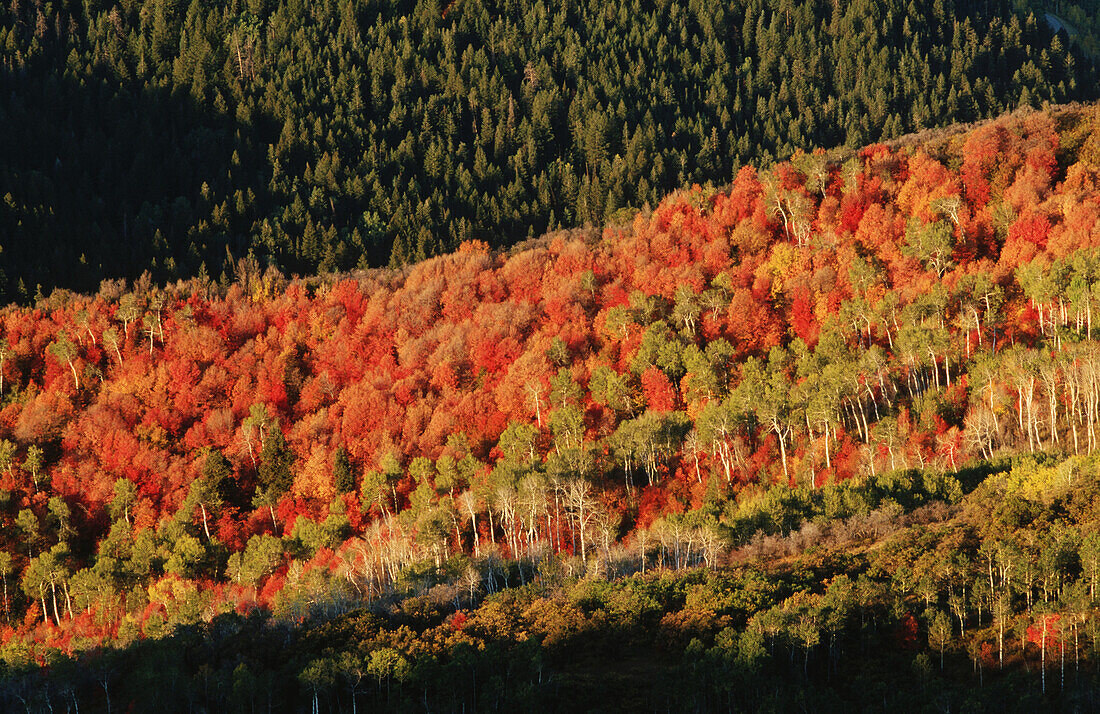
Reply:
x=589 y=403
x=172 y=137
x=985 y=602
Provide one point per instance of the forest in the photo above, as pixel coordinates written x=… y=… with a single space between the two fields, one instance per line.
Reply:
x=935 y=601
x=321 y=136
x=835 y=422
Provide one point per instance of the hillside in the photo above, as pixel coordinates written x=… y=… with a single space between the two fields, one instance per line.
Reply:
x=176 y=138
x=593 y=402
x=982 y=602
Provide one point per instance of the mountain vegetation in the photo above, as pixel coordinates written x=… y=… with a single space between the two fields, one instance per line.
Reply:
x=982 y=602
x=765 y=386
x=180 y=137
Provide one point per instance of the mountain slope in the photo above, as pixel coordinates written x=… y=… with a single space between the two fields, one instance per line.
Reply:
x=986 y=602
x=689 y=379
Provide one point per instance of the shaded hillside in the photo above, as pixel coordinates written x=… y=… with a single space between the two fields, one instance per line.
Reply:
x=986 y=602
x=174 y=137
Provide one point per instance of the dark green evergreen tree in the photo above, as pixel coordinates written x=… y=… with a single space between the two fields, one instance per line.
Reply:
x=342 y=476
x=276 y=459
